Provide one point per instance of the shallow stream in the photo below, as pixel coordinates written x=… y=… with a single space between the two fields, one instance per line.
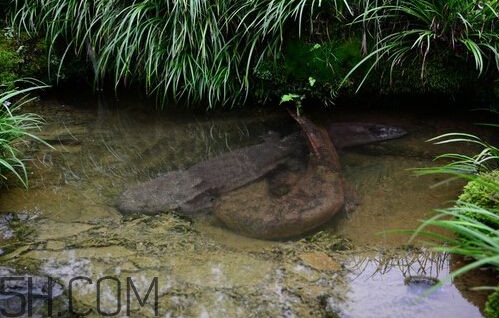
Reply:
x=68 y=225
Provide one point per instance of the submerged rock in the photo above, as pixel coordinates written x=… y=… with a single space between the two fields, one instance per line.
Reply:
x=312 y=201
x=421 y=280
x=320 y=261
x=12 y=231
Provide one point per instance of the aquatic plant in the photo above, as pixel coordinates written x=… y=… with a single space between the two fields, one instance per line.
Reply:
x=471 y=237
x=402 y=32
x=478 y=200
x=197 y=50
x=15 y=129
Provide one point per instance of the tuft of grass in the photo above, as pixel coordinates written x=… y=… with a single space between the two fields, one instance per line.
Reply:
x=464 y=166
x=404 y=31
x=16 y=128
x=473 y=222
x=197 y=50
x=473 y=238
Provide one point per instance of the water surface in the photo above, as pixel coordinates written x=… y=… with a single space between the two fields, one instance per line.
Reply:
x=346 y=268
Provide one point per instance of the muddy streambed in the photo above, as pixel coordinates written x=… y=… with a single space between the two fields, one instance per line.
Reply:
x=66 y=226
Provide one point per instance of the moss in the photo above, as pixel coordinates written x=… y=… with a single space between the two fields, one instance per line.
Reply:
x=9 y=61
x=478 y=193
x=492 y=305
x=24 y=56
x=20 y=56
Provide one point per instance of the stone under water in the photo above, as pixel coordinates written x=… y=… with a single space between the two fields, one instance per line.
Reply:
x=315 y=198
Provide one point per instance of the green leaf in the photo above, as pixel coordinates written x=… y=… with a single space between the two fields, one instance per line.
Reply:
x=311 y=81
x=289 y=98
x=315 y=47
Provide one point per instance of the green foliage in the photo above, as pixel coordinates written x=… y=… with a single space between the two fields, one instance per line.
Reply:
x=198 y=50
x=443 y=75
x=462 y=165
x=16 y=128
x=474 y=219
x=326 y=63
x=480 y=194
x=295 y=99
x=224 y=51
x=474 y=238
x=408 y=32
x=9 y=60
x=492 y=305
x=20 y=57
x=482 y=189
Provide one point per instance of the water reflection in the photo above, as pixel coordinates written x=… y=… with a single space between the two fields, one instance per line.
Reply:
x=379 y=286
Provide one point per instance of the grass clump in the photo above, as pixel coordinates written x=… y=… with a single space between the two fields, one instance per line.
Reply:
x=222 y=52
x=474 y=218
x=16 y=128
x=406 y=33
x=197 y=50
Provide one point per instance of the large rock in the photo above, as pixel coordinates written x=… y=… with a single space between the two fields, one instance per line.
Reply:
x=312 y=201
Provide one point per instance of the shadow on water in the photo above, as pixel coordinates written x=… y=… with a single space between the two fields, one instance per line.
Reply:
x=347 y=269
